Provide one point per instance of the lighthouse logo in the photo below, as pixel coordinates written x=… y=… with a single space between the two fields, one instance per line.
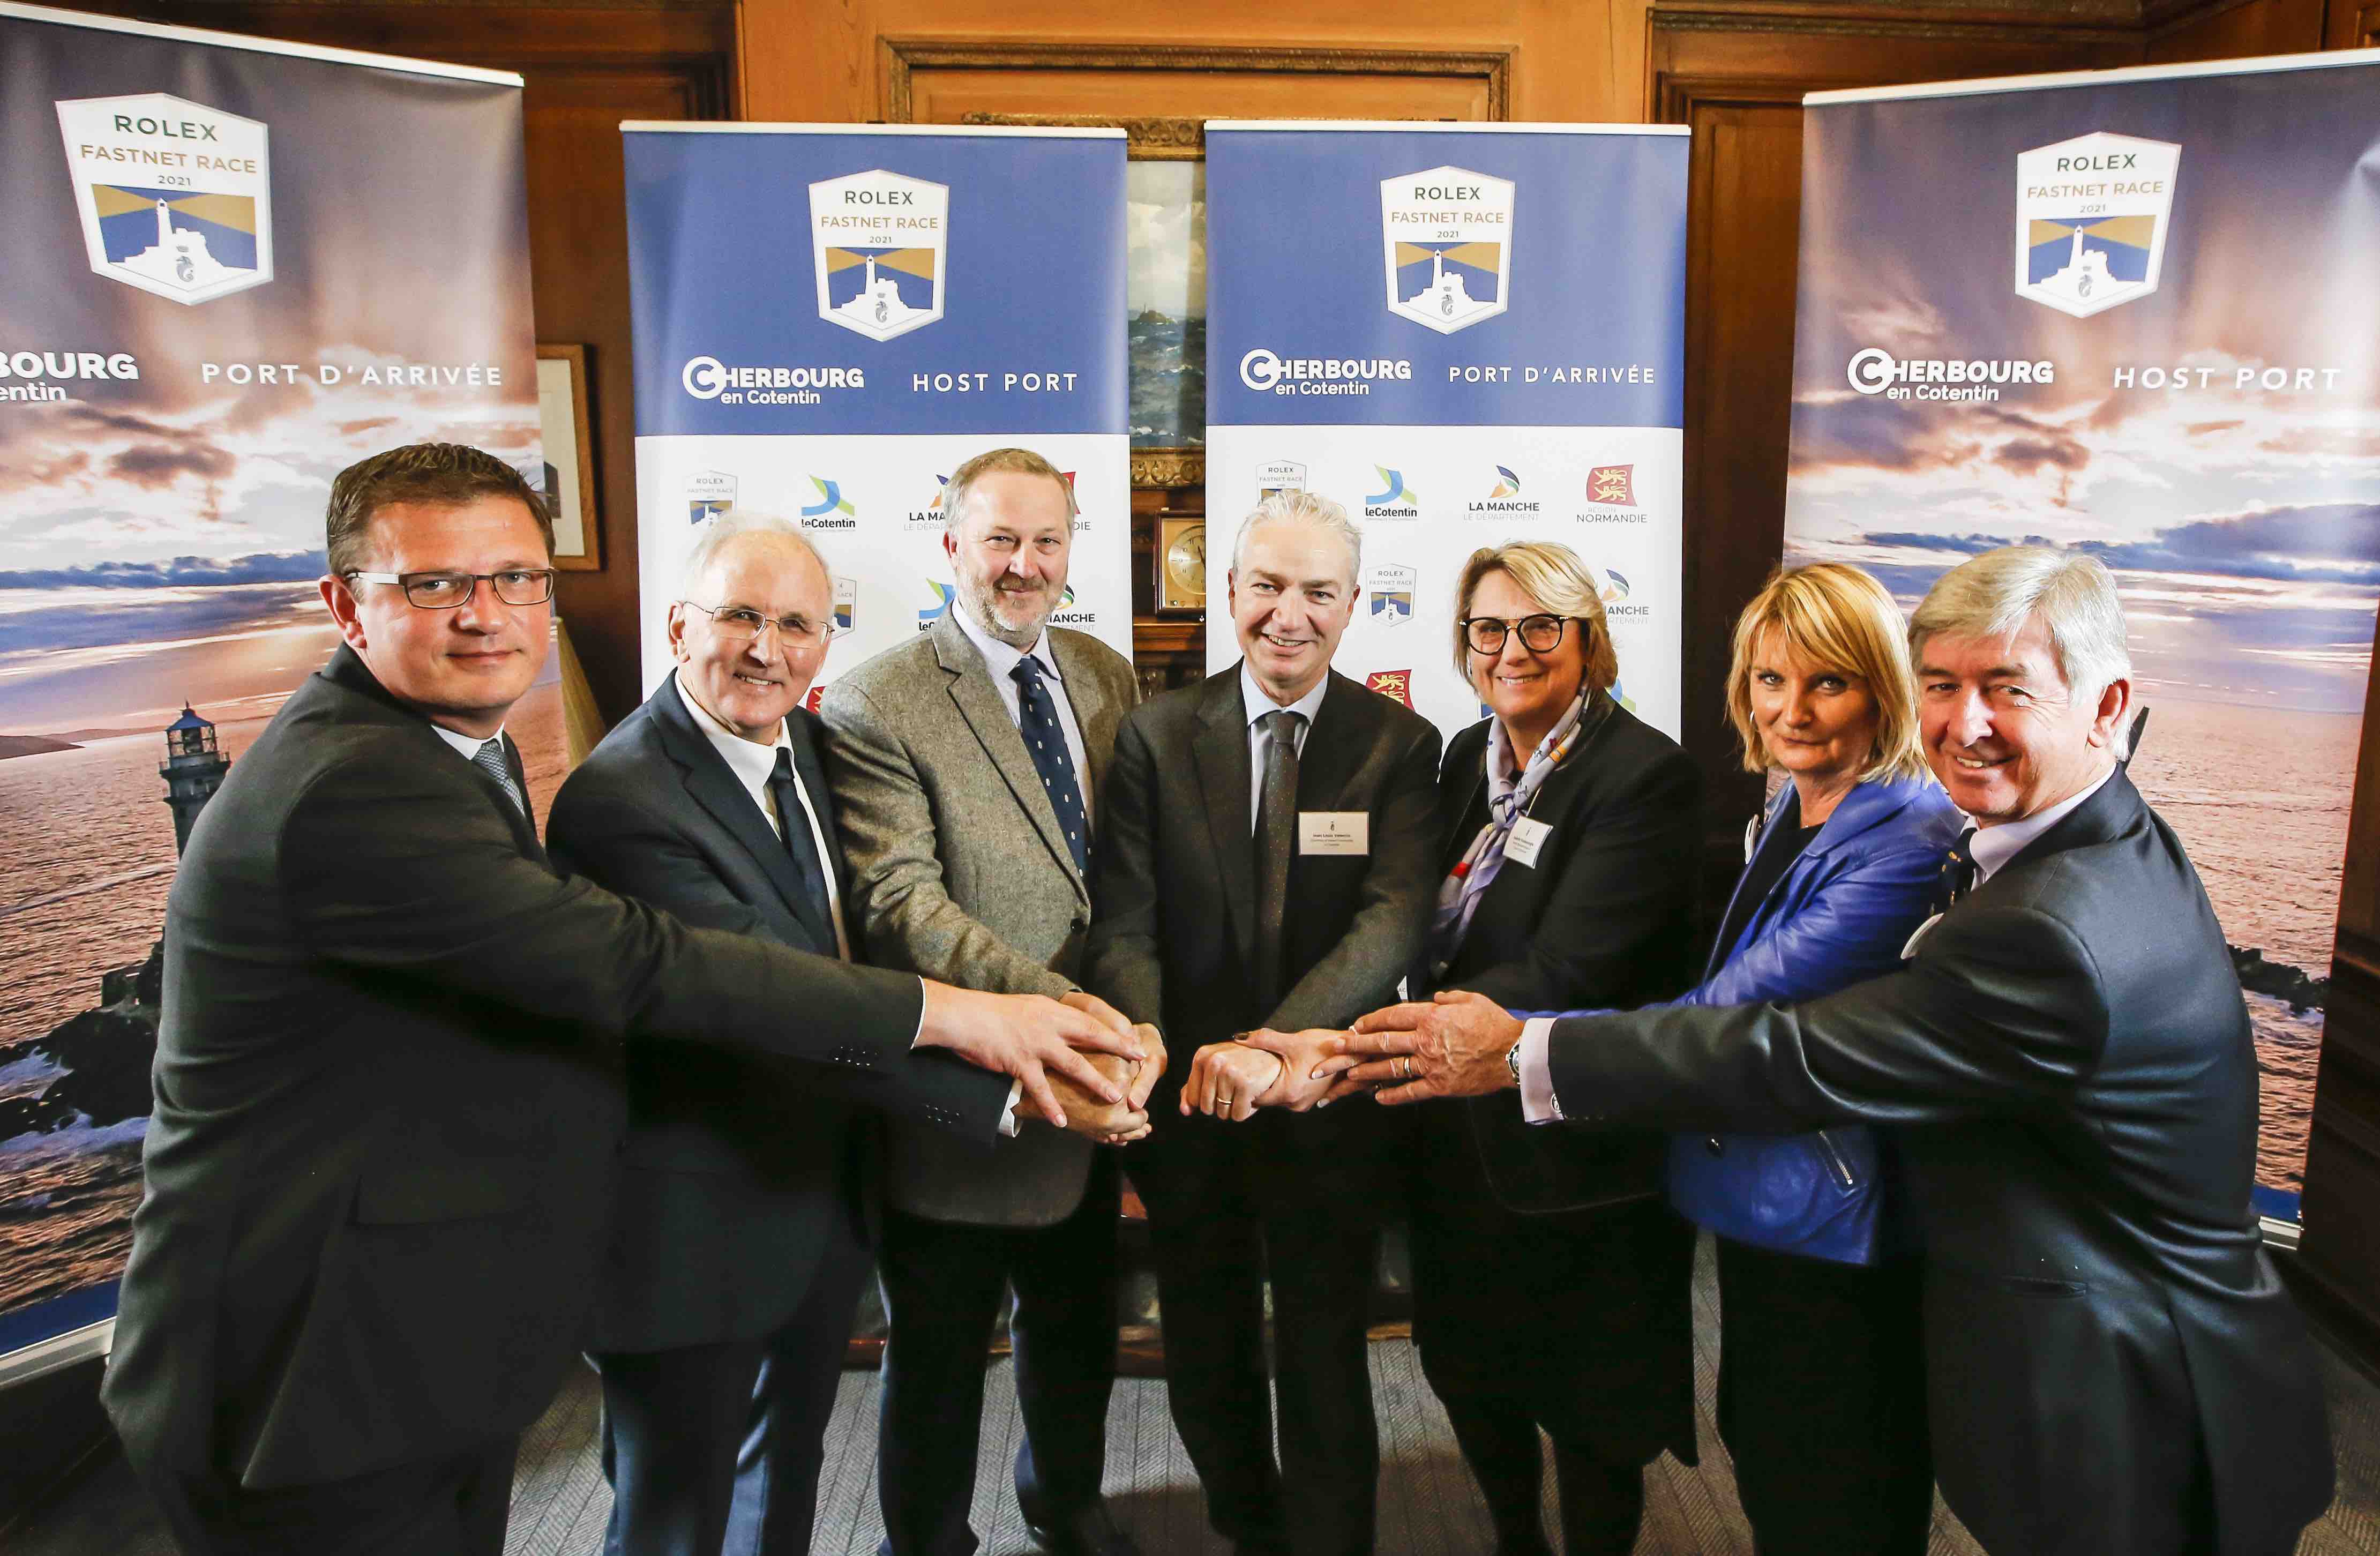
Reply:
x=2092 y=215
x=880 y=240
x=176 y=198
x=1447 y=237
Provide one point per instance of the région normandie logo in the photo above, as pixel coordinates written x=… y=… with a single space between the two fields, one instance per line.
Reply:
x=2092 y=215
x=1394 y=685
x=880 y=240
x=176 y=198
x=1447 y=236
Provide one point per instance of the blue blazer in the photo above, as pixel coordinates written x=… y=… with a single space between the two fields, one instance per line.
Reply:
x=1841 y=912
x=1839 y=915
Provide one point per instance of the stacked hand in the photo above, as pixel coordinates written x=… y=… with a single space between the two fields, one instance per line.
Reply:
x=1044 y=1044
x=1261 y=1069
x=1453 y=1046
x=1119 y=1123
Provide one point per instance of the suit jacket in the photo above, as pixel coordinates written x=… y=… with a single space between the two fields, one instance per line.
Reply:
x=959 y=871
x=738 y=1168
x=2068 y=1065
x=1174 y=939
x=1605 y=918
x=388 y=1106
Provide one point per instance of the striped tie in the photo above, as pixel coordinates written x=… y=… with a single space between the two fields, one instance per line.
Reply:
x=490 y=758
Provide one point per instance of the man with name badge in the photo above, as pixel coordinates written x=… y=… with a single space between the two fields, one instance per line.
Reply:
x=2067 y=1066
x=1269 y=859
x=967 y=766
x=388 y=1104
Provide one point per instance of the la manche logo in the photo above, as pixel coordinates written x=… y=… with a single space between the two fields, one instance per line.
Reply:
x=174 y=197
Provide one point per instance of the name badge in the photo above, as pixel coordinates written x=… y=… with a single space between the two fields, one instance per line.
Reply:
x=1527 y=837
x=1334 y=831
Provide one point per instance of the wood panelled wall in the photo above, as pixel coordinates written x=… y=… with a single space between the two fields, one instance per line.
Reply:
x=1733 y=69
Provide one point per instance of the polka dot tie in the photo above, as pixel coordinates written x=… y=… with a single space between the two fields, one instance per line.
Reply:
x=490 y=758
x=1045 y=742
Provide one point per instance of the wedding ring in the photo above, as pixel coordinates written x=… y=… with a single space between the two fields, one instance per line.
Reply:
x=1405 y=1067
x=1222 y=1100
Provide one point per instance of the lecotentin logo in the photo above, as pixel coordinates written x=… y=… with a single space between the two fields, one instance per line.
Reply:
x=880 y=240
x=1503 y=498
x=941 y=594
x=1395 y=499
x=2092 y=215
x=833 y=510
x=202 y=230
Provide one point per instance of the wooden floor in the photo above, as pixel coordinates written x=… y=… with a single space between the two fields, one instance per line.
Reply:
x=1428 y=1506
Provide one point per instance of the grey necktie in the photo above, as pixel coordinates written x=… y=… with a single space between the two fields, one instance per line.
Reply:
x=1276 y=835
x=490 y=758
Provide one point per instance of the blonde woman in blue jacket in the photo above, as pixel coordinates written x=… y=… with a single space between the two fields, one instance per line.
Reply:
x=1822 y=1388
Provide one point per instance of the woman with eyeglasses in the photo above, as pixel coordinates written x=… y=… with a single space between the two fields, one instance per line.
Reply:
x=1550 y=1279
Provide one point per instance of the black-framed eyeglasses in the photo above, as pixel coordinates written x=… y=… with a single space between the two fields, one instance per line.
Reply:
x=446 y=591
x=741 y=623
x=1539 y=633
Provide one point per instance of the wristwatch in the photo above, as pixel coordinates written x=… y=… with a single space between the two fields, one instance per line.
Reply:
x=1512 y=1062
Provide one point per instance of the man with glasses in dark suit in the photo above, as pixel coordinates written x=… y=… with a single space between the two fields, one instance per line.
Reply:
x=388 y=1101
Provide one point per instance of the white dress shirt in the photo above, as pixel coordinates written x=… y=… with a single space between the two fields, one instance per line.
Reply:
x=1258 y=703
x=1003 y=661
x=753 y=765
x=468 y=744
x=1993 y=847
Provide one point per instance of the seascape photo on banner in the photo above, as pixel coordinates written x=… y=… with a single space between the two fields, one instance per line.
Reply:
x=234 y=271
x=2146 y=330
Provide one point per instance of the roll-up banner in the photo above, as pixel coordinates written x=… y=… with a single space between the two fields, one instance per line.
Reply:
x=233 y=267
x=2133 y=313
x=829 y=318
x=1464 y=335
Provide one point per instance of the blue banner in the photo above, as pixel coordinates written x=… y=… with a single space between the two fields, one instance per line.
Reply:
x=830 y=319
x=867 y=281
x=1464 y=335
x=2133 y=313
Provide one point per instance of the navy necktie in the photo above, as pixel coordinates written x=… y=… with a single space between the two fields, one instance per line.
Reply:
x=490 y=758
x=793 y=826
x=1958 y=872
x=1045 y=742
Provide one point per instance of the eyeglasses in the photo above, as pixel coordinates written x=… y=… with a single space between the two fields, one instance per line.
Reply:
x=447 y=591
x=739 y=624
x=1539 y=633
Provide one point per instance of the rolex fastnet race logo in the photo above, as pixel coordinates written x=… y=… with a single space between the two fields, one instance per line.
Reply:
x=880 y=240
x=2092 y=215
x=176 y=198
x=1447 y=237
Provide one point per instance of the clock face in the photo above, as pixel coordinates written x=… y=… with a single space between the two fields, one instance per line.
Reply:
x=1185 y=561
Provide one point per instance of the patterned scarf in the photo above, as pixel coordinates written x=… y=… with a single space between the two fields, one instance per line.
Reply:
x=1509 y=799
